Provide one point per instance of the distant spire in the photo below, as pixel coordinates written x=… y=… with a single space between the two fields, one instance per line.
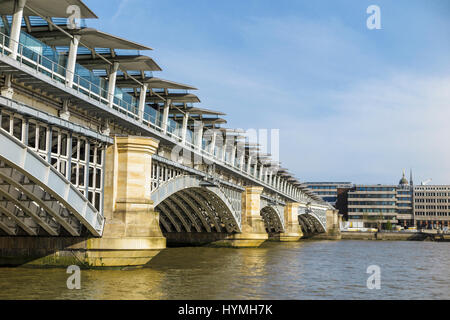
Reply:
x=411 y=183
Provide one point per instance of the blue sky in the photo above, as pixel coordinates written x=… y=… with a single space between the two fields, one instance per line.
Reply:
x=351 y=104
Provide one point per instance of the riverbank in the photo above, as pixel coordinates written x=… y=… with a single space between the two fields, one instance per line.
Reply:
x=393 y=236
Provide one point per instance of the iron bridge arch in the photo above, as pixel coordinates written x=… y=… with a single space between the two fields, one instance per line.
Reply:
x=188 y=203
x=273 y=216
x=312 y=221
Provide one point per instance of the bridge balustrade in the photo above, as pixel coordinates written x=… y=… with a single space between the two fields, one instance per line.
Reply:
x=45 y=60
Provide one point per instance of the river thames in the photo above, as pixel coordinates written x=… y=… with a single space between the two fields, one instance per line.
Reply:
x=301 y=270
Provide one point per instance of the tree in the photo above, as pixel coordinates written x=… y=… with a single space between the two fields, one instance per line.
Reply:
x=388 y=226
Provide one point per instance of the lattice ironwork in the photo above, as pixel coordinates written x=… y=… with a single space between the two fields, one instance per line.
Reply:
x=39 y=199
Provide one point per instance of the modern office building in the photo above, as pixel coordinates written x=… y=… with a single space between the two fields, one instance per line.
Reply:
x=328 y=190
x=377 y=206
x=372 y=206
x=432 y=206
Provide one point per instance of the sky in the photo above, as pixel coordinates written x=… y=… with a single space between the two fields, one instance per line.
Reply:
x=351 y=104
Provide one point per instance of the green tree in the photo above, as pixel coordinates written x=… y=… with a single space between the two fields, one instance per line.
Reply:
x=388 y=226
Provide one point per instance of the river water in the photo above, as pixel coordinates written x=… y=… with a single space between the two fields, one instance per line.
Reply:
x=301 y=270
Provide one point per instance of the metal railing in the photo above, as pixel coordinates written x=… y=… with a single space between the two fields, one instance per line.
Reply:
x=121 y=102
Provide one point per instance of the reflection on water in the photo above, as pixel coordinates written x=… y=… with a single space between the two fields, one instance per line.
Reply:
x=302 y=270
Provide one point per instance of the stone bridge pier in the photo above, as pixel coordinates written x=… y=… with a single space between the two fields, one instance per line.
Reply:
x=132 y=236
x=253 y=229
x=332 y=230
x=333 y=225
x=292 y=232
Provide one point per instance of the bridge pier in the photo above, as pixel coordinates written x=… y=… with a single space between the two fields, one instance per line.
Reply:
x=132 y=235
x=333 y=226
x=293 y=232
x=253 y=230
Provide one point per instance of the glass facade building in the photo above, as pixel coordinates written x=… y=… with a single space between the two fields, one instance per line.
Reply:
x=328 y=190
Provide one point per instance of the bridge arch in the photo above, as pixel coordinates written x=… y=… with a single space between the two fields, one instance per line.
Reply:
x=273 y=217
x=312 y=220
x=188 y=203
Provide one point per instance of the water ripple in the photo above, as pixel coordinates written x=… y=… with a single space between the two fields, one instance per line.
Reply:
x=303 y=270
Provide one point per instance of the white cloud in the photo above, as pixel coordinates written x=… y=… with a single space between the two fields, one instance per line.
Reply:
x=346 y=112
x=379 y=128
x=120 y=9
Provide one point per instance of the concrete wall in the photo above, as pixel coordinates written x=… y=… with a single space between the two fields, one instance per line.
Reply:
x=391 y=236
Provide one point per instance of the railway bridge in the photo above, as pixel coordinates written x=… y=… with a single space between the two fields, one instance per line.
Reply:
x=102 y=164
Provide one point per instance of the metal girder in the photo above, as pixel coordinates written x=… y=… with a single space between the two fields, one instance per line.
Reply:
x=38 y=195
x=305 y=224
x=14 y=154
x=186 y=211
x=315 y=223
x=311 y=224
x=273 y=213
x=194 y=208
x=8 y=225
x=272 y=219
x=211 y=204
x=28 y=206
x=172 y=207
x=164 y=223
x=219 y=206
x=199 y=199
x=320 y=215
x=19 y=217
x=167 y=213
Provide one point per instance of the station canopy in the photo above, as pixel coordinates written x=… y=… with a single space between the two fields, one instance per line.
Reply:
x=196 y=111
x=208 y=123
x=93 y=57
x=153 y=83
x=90 y=37
x=174 y=97
x=209 y=118
x=126 y=62
x=98 y=51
